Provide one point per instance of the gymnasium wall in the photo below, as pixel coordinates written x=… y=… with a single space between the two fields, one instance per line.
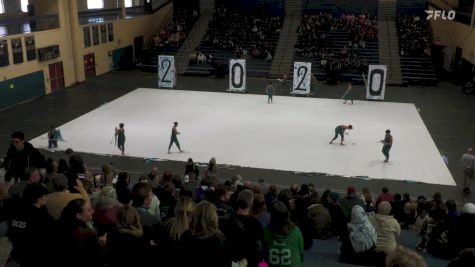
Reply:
x=124 y=33
x=455 y=34
x=69 y=38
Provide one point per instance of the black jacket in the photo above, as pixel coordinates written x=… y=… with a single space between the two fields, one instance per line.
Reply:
x=17 y=161
x=30 y=231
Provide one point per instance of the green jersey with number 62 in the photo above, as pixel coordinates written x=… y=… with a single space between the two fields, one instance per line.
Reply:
x=284 y=250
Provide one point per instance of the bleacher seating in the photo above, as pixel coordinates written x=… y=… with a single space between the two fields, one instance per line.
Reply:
x=338 y=36
x=415 y=40
x=229 y=34
x=169 y=39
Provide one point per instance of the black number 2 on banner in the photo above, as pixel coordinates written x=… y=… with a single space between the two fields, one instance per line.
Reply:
x=233 y=75
x=377 y=74
x=305 y=70
x=166 y=71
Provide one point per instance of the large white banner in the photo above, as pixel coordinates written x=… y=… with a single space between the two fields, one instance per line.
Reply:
x=302 y=78
x=237 y=75
x=166 y=72
x=376 y=83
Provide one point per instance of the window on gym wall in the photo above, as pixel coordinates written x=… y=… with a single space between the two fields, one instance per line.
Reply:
x=2 y=7
x=95 y=4
x=128 y=3
x=24 y=6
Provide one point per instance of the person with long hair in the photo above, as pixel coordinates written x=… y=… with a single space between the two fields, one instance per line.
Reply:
x=204 y=243
x=126 y=239
x=122 y=188
x=173 y=230
x=283 y=241
x=77 y=237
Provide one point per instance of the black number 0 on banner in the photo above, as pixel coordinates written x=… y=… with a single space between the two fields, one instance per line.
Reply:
x=376 y=74
x=302 y=77
x=166 y=71
x=233 y=75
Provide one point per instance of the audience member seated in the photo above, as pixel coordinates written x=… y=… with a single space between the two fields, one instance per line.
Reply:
x=319 y=221
x=404 y=257
x=234 y=31
x=464 y=233
x=174 y=229
x=358 y=242
x=126 y=244
x=122 y=188
x=61 y=196
x=385 y=196
x=30 y=176
x=349 y=201
x=174 y=33
x=387 y=228
x=77 y=243
x=105 y=210
x=244 y=232
x=282 y=235
x=465 y=258
x=141 y=198
x=204 y=243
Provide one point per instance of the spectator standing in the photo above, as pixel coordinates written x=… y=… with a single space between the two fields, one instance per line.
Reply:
x=468 y=164
x=122 y=188
x=30 y=229
x=21 y=155
x=192 y=168
x=141 y=198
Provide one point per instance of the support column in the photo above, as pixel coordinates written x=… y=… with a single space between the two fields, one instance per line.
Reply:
x=123 y=12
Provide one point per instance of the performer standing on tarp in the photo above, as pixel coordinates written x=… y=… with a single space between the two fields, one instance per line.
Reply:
x=53 y=136
x=269 y=92
x=388 y=143
x=347 y=95
x=174 y=138
x=340 y=130
x=120 y=138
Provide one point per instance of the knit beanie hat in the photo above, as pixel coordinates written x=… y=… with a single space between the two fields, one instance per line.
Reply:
x=335 y=197
x=384 y=208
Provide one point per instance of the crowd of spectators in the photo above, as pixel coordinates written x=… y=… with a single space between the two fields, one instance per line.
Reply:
x=315 y=33
x=414 y=35
x=252 y=35
x=197 y=217
x=175 y=32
